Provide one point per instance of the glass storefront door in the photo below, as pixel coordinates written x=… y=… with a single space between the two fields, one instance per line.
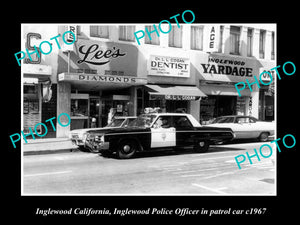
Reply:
x=94 y=117
x=120 y=108
x=214 y=106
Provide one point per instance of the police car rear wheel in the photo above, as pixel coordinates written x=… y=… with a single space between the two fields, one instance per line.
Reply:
x=127 y=149
x=201 y=146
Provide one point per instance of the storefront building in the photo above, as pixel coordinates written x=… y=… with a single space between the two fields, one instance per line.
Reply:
x=107 y=70
x=239 y=52
x=94 y=77
x=185 y=70
x=38 y=79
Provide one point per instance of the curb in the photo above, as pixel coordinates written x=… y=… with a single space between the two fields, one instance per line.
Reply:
x=44 y=152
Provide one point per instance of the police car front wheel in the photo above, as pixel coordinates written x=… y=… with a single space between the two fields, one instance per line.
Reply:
x=127 y=149
x=201 y=146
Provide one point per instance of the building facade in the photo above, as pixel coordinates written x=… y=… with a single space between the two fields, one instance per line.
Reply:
x=192 y=68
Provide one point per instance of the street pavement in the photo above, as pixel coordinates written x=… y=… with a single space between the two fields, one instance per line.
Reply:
x=180 y=172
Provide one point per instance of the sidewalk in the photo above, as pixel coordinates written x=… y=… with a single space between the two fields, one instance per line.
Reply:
x=47 y=146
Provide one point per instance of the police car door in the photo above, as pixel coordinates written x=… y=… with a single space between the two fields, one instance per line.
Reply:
x=163 y=134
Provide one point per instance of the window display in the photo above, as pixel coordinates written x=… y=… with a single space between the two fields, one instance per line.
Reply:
x=79 y=107
x=241 y=106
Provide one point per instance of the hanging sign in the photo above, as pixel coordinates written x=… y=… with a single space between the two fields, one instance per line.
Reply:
x=213 y=38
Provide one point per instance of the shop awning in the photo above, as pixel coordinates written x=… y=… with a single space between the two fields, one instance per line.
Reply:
x=94 y=82
x=171 y=92
x=223 y=90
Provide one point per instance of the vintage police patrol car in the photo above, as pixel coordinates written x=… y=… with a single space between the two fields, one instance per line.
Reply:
x=156 y=130
x=78 y=136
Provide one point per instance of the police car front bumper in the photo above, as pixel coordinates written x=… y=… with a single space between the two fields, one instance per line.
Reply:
x=96 y=146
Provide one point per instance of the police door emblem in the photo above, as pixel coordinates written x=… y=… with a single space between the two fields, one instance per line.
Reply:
x=163 y=136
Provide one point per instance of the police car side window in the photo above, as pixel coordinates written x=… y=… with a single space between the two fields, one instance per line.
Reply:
x=182 y=122
x=163 y=122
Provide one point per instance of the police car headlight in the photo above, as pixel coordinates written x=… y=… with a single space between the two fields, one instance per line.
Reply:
x=99 y=138
x=89 y=137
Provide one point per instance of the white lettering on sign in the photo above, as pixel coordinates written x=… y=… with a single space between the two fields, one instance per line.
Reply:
x=213 y=37
x=265 y=74
x=169 y=66
x=113 y=79
x=226 y=67
x=180 y=97
x=70 y=37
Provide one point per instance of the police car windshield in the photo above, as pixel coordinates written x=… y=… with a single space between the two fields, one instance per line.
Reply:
x=142 y=121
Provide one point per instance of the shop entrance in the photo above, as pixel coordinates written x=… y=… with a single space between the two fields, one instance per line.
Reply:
x=115 y=105
x=85 y=111
x=144 y=101
x=90 y=109
x=214 y=106
x=94 y=117
x=266 y=105
x=225 y=105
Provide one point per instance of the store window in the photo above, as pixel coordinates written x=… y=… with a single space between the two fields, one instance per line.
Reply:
x=249 y=41
x=214 y=106
x=140 y=100
x=234 y=40
x=262 y=40
x=79 y=113
x=99 y=31
x=197 y=37
x=175 y=37
x=79 y=107
x=31 y=99
x=241 y=106
x=273 y=46
x=221 y=39
x=126 y=33
x=154 y=37
x=31 y=107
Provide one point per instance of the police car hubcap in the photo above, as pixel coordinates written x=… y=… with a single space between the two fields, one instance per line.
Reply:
x=126 y=148
x=201 y=143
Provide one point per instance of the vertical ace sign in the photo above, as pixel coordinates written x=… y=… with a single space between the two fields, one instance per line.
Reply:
x=213 y=38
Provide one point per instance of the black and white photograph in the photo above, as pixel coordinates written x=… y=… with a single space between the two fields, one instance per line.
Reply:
x=172 y=108
x=156 y=112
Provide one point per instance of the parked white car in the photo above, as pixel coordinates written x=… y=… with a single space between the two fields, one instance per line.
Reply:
x=78 y=136
x=246 y=127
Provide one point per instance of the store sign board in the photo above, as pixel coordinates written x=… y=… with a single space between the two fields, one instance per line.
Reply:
x=168 y=66
x=174 y=97
x=213 y=38
x=101 y=57
x=95 y=78
x=265 y=77
x=70 y=37
x=36 y=69
x=233 y=67
x=222 y=68
x=180 y=97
